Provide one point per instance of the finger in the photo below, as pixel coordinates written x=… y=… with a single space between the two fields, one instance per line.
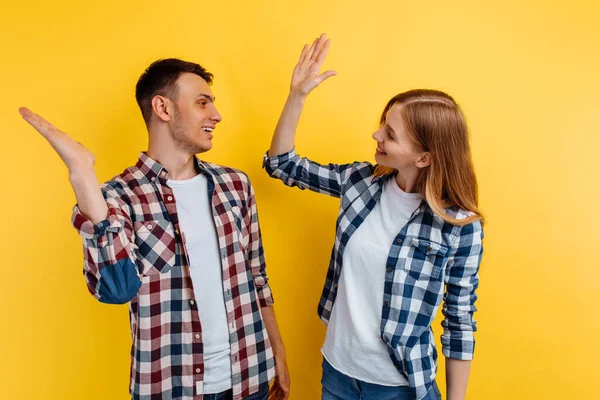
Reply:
x=285 y=388
x=273 y=388
x=274 y=393
x=24 y=111
x=318 y=47
x=303 y=54
x=312 y=49
x=279 y=394
x=40 y=124
x=33 y=119
x=325 y=75
x=323 y=52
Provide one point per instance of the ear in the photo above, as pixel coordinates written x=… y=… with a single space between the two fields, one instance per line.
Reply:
x=424 y=161
x=162 y=108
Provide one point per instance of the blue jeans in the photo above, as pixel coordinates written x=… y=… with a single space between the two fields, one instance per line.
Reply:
x=337 y=386
x=262 y=394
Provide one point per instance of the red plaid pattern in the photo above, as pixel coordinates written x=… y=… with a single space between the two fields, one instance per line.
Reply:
x=138 y=254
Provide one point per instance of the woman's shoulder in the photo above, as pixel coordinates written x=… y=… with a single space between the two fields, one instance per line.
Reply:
x=461 y=215
x=458 y=213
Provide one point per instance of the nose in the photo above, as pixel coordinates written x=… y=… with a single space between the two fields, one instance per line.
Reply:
x=216 y=117
x=377 y=136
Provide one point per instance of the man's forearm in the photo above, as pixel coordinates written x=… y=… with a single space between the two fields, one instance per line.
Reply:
x=268 y=314
x=90 y=201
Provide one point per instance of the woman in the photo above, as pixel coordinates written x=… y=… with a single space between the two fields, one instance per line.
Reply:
x=408 y=236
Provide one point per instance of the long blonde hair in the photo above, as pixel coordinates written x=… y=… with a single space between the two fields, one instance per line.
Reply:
x=436 y=124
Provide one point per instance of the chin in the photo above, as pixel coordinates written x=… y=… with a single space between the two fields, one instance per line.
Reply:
x=203 y=147
x=378 y=158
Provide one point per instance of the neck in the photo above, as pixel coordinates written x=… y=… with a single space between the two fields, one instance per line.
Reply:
x=180 y=164
x=407 y=181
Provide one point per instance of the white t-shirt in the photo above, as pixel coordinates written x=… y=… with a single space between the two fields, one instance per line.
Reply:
x=195 y=217
x=353 y=342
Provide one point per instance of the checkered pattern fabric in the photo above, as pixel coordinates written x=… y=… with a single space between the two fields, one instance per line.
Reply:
x=429 y=262
x=138 y=255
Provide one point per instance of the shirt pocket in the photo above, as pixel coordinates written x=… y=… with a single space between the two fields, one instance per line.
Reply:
x=425 y=259
x=155 y=241
x=239 y=230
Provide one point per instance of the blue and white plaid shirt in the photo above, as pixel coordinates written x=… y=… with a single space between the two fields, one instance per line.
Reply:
x=427 y=256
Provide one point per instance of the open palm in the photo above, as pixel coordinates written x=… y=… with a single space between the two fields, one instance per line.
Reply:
x=306 y=75
x=75 y=156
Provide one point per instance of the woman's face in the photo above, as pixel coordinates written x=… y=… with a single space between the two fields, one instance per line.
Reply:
x=395 y=149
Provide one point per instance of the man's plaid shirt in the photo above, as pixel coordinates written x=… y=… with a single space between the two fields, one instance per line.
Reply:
x=138 y=255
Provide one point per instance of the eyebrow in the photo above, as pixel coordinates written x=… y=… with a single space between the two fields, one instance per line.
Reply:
x=207 y=96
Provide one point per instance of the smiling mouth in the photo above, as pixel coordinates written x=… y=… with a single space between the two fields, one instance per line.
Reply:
x=208 y=129
x=380 y=151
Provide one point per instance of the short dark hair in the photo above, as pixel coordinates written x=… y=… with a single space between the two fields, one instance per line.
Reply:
x=160 y=79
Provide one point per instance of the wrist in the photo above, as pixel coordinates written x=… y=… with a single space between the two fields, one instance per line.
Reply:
x=454 y=395
x=80 y=175
x=296 y=97
x=278 y=350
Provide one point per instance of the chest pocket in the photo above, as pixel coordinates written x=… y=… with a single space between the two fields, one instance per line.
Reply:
x=239 y=228
x=155 y=240
x=425 y=259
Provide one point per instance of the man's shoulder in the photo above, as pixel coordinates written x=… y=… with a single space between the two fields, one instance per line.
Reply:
x=226 y=173
x=125 y=184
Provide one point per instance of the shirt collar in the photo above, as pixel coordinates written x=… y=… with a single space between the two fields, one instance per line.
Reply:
x=153 y=169
x=382 y=179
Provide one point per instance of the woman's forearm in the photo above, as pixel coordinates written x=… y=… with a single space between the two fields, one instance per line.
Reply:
x=285 y=132
x=457 y=377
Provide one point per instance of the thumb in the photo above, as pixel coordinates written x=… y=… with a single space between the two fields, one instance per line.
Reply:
x=325 y=75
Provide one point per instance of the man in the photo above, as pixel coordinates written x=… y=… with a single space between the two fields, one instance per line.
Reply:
x=179 y=239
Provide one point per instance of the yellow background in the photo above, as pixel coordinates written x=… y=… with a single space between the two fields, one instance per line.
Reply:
x=525 y=73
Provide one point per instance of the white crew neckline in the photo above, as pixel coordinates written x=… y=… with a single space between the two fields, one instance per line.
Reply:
x=185 y=181
x=396 y=189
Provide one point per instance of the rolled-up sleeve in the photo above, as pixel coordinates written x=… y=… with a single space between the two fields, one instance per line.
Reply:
x=256 y=254
x=462 y=280
x=108 y=247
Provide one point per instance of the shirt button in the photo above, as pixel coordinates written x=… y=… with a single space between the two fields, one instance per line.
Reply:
x=170 y=198
x=153 y=178
x=177 y=231
x=390 y=269
x=399 y=241
x=235 y=358
x=192 y=302
x=197 y=335
x=385 y=304
x=198 y=370
x=149 y=226
x=428 y=249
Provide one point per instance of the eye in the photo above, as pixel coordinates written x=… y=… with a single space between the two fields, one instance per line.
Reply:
x=389 y=133
x=203 y=103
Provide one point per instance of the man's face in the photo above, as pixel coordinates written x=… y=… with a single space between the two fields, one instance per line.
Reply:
x=195 y=116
